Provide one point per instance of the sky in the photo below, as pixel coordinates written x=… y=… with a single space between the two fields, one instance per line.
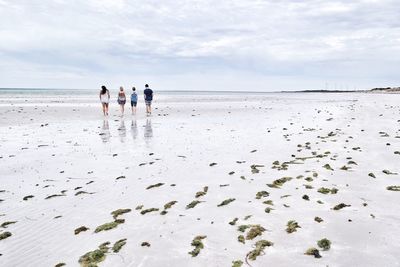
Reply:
x=243 y=45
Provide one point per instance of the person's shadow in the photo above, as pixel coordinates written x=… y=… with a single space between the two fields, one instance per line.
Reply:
x=105 y=132
x=134 y=130
x=148 y=131
x=122 y=131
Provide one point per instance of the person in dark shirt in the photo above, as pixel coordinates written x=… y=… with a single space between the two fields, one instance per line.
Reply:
x=148 y=97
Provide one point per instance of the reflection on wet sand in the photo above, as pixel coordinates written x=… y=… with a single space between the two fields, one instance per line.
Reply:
x=134 y=130
x=148 y=130
x=122 y=131
x=105 y=131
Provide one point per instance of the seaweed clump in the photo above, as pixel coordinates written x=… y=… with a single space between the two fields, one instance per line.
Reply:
x=154 y=185
x=80 y=229
x=260 y=246
x=279 y=182
x=237 y=263
x=262 y=194
x=119 y=212
x=255 y=230
x=118 y=245
x=318 y=219
x=324 y=243
x=226 y=202
x=5 y=224
x=202 y=193
x=143 y=212
x=313 y=252
x=197 y=244
x=92 y=258
x=324 y=190
x=193 y=204
x=393 y=188
x=28 y=197
x=233 y=222
x=292 y=226
x=254 y=168
x=5 y=235
x=340 y=206
x=109 y=226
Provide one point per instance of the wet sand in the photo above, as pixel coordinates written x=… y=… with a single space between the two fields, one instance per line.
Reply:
x=64 y=166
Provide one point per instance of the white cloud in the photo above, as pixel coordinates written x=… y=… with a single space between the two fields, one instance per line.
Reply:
x=312 y=41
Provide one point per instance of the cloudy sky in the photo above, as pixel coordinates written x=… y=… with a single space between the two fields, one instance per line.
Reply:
x=258 y=45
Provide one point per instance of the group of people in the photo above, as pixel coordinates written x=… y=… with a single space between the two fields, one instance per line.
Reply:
x=105 y=99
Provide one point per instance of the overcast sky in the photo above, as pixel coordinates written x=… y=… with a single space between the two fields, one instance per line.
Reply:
x=200 y=44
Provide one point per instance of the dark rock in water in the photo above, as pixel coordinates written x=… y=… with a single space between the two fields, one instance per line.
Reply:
x=213 y=164
x=145 y=244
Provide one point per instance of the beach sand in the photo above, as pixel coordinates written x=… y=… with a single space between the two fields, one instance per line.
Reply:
x=74 y=167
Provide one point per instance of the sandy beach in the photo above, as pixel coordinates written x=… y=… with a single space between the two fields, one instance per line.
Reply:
x=210 y=174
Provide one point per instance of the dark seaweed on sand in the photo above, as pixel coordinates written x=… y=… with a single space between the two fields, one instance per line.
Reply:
x=198 y=245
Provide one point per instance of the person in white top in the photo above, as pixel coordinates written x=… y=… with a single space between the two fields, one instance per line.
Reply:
x=104 y=99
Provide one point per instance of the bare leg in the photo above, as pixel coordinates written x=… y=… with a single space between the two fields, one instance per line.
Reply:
x=103 y=105
x=106 y=104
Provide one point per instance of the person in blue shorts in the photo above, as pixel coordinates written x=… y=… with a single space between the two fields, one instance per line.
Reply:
x=133 y=100
x=148 y=97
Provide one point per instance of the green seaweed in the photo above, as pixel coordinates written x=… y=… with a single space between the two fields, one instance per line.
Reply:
x=193 y=204
x=119 y=212
x=328 y=167
x=313 y=252
x=28 y=197
x=80 y=229
x=268 y=209
x=145 y=244
x=202 y=193
x=243 y=227
x=318 y=219
x=260 y=246
x=268 y=202
x=139 y=207
x=254 y=168
x=389 y=172
x=5 y=224
x=393 y=188
x=5 y=235
x=226 y=202
x=237 y=263
x=340 y=206
x=292 y=226
x=55 y=195
x=143 y=212
x=92 y=258
x=255 y=230
x=247 y=217
x=279 y=182
x=154 y=185
x=118 y=245
x=262 y=194
x=241 y=239
x=324 y=190
x=60 y=264
x=233 y=222
x=170 y=204
x=109 y=226
x=324 y=243
x=198 y=245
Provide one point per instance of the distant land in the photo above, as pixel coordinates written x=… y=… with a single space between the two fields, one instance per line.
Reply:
x=390 y=90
